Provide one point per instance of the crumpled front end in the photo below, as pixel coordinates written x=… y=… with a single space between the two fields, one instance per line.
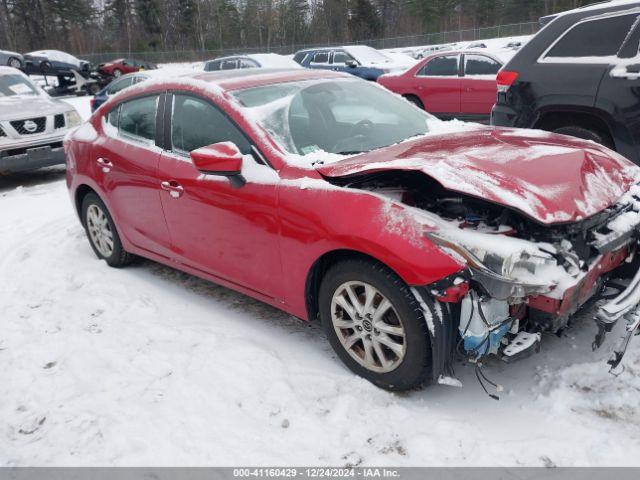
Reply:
x=521 y=278
x=520 y=288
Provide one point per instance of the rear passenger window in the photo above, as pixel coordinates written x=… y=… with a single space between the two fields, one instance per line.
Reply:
x=595 y=38
x=440 y=67
x=300 y=57
x=228 y=65
x=138 y=118
x=196 y=123
x=480 y=65
x=321 y=57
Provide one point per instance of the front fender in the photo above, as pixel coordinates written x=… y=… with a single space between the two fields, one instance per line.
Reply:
x=322 y=218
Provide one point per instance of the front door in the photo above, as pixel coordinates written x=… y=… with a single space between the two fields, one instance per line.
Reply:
x=478 y=89
x=228 y=232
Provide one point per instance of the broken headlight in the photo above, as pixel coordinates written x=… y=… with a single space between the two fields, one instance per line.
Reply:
x=504 y=272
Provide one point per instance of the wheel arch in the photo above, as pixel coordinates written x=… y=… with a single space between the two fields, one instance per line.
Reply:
x=551 y=119
x=320 y=267
x=81 y=192
x=409 y=96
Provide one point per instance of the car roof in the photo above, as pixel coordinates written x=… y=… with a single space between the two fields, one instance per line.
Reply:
x=593 y=8
x=252 y=77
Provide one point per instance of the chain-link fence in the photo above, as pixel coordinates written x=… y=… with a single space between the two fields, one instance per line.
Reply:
x=498 y=31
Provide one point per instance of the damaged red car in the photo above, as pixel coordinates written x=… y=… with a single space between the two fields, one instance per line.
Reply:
x=412 y=240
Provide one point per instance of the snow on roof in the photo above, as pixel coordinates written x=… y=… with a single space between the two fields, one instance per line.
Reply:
x=599 y=6
x=56 y=55
x=366 y=54
x=273 y=60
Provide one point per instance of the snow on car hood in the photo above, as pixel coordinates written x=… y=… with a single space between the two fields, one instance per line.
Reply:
x=550 y=178
x=29 y=106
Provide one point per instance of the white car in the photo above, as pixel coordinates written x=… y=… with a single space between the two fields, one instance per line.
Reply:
x=32 y=124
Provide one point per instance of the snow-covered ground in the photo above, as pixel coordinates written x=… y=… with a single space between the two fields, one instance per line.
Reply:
x=150 y=366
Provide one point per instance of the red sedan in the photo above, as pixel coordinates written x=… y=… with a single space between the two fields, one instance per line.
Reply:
x=451 y=85
x=332 y=199
x=121 y=66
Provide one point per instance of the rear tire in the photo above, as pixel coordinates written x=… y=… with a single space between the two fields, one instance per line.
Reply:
x=102 y=233
x=397 y=340
x=584 y=133
x=415 y=100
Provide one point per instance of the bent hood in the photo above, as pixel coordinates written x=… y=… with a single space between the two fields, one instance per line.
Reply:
x=550 y=178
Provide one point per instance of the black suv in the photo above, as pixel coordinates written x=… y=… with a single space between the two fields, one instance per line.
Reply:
x=580 y=76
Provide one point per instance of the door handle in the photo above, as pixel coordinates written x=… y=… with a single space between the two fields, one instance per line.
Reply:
x=105 y=164
x=174 y=188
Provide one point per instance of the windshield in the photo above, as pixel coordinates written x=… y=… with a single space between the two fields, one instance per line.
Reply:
x=366 y=54
x=14 y=84
x=336 y=116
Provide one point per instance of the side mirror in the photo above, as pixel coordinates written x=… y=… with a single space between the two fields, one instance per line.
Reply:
x=351 y=63
x=223 y=159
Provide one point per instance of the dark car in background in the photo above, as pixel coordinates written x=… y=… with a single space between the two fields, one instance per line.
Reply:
x=53 y=62
x=116 y=86
x=121 y=66
x=578 y=76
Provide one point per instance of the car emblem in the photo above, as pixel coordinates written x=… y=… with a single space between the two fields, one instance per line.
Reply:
x=30 y=126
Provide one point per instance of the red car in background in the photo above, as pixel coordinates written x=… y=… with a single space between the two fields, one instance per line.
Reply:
x=330 y=198
x=118 y=67
x=451 y=84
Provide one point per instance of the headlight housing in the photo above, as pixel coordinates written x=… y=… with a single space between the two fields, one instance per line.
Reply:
x=72 y=118
x=505 y=272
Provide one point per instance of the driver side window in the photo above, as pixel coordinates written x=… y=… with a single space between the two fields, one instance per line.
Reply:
x=196 y=123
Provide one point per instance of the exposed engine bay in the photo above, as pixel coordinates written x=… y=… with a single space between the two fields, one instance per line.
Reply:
x=523 y=278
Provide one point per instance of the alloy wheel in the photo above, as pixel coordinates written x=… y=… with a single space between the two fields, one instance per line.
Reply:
x=368 y=326
x=100 y=230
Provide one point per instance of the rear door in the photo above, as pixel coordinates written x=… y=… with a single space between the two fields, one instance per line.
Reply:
x=478 y=86
x=438 y=85
x=618 y=95
x=570 y=70
x=126 y=164
x=320 y=60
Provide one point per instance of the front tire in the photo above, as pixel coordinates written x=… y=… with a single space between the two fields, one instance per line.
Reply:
x=102 y=233
x=584 y=133
x=375 y=325
x=117 y=73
